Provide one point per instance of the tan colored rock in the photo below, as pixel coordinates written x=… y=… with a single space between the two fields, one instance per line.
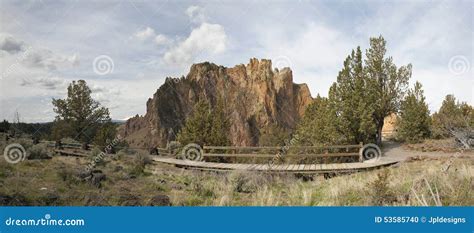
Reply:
x=389 y=126
x=255 y=97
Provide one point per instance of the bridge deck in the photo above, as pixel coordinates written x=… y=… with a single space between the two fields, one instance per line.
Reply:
x=292 y=168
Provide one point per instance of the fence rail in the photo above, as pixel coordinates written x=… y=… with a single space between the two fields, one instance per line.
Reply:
x=299 y=152
x=289 y=151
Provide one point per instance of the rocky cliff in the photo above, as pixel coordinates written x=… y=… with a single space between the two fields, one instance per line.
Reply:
x=255 y=97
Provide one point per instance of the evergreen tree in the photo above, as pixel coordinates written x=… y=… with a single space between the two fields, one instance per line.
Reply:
x=206 y=126
x=318 y=125
x=79 y=114
x=414 y=122
x=387 y=84
x=350 y=99
x=105 y=135
x=452 y=115
x=273 y=135
x=360 y=99
x=220 y=125
x=196 y=128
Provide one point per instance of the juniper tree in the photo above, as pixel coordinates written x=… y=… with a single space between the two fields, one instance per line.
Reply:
x=78 y=114
x=105 y=136
x=414 y=122
x=318 y=125
x=206 y=126
x=387 y=84
x=273 y=135
x=196 y=128
x=350 y=99
x=364 y=93
x=452 y=115
x=220 y=125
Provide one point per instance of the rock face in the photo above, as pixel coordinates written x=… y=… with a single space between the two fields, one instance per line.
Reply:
x=389 y=126
x=255 y=97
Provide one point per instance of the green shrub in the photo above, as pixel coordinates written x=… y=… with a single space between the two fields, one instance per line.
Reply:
x=39 y=151
x=97 y=156
x=414 y=122
x=139 y=163
x=379 y=189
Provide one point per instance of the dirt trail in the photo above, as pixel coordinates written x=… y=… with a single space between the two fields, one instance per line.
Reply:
x=395 y=150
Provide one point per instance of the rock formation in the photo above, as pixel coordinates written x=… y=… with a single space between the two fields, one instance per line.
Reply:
x=255 y=97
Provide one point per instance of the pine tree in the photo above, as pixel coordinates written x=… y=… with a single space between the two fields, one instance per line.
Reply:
x=414 y=122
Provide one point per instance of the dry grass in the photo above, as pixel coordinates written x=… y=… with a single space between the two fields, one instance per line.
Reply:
x=447 y=145
x=132 y=180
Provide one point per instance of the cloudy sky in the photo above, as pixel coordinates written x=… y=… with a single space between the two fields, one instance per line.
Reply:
x=126 y=49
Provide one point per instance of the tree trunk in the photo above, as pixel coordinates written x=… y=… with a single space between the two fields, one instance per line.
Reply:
x=379 y=133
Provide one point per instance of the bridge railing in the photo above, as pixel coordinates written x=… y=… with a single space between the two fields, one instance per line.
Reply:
x=290 y=152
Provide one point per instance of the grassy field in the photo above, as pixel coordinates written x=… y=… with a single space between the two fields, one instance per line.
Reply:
x=131 y=179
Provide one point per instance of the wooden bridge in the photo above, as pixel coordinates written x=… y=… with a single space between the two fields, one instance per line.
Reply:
x=278 y=168
x=364 y=157
x=297 y=159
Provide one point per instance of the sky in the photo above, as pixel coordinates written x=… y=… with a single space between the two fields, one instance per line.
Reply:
x=125 y=49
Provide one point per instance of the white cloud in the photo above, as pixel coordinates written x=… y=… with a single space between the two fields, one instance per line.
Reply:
x=315 y=52
x=145 y=34
x=149 y=33
x=196 y=14
x=207 y=38
x=311 y=34
x=161 y=40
